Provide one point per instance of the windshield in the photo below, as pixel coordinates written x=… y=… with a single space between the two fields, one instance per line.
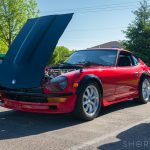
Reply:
x=97 y=57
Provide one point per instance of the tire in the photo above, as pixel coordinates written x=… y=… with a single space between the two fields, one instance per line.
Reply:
x=144 y=90
x=87 y=108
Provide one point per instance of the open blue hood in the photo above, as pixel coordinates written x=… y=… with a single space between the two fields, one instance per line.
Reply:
x=24 y=64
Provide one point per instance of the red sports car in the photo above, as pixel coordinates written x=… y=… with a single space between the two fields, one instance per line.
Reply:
x=85 y=82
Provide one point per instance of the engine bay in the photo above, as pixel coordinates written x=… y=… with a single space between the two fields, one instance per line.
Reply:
x=52 y=72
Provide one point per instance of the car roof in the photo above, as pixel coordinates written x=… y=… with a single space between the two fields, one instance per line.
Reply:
x=118 y=49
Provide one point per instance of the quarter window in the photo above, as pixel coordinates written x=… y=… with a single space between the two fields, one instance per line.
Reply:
x=125 y=59
x=135 y=60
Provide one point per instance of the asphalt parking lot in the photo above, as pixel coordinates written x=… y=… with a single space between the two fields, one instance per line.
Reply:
x=122 y=126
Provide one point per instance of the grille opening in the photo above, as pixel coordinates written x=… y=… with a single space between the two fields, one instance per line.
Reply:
x=25 y=98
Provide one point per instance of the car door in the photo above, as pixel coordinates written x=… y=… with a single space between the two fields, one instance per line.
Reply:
x=126 y=76
x=107 y=74
x=109 y=85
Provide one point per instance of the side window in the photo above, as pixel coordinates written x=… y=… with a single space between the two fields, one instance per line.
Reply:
x=125 y=59
x=135 y=60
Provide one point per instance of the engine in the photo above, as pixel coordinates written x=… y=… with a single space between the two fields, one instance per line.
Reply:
x=52 y=73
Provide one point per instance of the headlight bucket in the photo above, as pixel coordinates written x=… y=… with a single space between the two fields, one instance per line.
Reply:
x=61 y=82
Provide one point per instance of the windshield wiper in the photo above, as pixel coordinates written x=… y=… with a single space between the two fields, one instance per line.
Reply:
x=72 y=65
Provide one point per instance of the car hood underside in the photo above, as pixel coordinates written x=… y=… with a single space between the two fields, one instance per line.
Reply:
x=24 y=64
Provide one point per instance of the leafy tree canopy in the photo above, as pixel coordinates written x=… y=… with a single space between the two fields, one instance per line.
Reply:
x=138 y=33
x=13 y=15
x=60 y=54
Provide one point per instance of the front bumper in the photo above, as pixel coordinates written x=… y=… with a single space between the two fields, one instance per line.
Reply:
x=38 y=103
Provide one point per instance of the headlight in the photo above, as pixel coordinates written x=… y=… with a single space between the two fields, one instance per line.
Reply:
x=60 y=81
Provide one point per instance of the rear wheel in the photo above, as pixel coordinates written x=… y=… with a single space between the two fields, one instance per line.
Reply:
x=144 y=90
x=88 y=102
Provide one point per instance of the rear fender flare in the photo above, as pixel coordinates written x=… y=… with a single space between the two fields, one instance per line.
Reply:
x=144 y=74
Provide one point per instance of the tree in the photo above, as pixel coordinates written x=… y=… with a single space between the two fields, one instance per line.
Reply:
x=138 y=33
x=3 y=47
x=13 y=15
x=60 y=54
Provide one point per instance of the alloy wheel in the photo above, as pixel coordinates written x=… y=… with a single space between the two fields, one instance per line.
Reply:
x=146 y=89
x=91 y=100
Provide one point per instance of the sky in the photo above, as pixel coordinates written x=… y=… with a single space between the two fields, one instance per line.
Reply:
x=94 y=22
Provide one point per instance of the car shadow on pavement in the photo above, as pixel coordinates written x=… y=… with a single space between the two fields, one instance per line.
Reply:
x=15 y=124
x=135 y=138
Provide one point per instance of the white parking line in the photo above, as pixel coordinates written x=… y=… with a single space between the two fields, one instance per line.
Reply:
x=97 y=140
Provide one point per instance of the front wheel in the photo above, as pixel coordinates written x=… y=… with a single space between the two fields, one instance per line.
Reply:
x=88 y=102
x=144 y=90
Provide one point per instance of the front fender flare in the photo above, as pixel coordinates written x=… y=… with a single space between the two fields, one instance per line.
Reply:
x=88 y=78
